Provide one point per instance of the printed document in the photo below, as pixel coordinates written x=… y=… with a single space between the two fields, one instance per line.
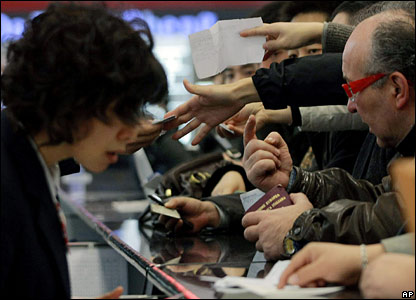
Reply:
x=221 y=46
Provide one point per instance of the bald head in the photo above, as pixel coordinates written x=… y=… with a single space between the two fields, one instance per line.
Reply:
x=358 y=47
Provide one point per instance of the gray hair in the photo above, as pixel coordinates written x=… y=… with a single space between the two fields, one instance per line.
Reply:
x=405 y=7
x=393 y=49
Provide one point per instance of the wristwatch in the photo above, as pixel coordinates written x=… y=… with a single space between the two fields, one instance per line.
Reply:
x=290 y=245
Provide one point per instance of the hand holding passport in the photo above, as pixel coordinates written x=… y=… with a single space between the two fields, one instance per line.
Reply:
x=275 y=198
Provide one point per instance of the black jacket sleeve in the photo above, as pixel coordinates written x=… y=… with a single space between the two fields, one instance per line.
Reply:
x=230 y=205
x=307 y=81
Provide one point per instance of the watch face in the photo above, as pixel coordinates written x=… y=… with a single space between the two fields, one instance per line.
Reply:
x=289 y=246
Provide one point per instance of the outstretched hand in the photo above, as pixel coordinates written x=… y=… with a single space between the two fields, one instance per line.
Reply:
x=200 y=213
x=210 y=106
x=287 y=35
x=237 y=122
x=148 y=134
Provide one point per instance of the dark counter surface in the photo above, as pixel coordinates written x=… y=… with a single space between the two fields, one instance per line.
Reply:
x=177 y=265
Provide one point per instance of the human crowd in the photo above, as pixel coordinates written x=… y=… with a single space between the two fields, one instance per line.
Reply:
x=327 y=114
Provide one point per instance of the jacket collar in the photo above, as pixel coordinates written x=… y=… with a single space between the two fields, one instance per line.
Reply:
x=35 y=186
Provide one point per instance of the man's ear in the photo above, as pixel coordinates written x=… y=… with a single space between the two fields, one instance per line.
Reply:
x=401 y=89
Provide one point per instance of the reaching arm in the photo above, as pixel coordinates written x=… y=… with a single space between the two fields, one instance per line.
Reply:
x=211 y=105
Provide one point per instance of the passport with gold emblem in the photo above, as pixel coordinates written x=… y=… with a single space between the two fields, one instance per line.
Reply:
x=275 y=198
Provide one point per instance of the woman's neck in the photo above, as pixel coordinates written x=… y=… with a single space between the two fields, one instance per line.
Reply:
x=51 y=153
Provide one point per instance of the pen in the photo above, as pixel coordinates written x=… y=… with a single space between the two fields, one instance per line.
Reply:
x=157 y=199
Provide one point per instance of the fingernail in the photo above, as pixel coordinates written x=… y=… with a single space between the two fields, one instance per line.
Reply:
x=293 y=279
x=270 y=140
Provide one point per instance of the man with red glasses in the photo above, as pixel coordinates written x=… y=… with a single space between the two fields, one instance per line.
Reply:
x=379 y=87
x=378 y=65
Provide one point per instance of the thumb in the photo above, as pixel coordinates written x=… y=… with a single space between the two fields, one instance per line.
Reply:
x=193 y=88
x=250 y=130
x=297 y=197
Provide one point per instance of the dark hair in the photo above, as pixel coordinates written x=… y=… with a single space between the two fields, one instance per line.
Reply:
x=272 y=12
x=302 y=7
x=72 y=63
x=350 y=8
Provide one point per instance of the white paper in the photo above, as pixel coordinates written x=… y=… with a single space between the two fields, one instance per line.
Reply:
x=131 y=206
x=251 y=197
x=267 y=287
x=221 y=46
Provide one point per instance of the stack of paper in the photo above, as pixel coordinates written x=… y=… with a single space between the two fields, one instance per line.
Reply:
x=221 y=46
x=267 y=287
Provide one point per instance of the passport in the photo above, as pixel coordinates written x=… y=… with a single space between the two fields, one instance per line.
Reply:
x=275 y=198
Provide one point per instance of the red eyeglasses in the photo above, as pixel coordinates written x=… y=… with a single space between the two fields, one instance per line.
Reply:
x=354 y=87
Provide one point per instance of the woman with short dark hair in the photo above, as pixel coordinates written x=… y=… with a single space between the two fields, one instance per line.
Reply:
x=74 y=87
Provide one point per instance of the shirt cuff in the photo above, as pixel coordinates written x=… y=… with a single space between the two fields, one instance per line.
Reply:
x=224 y=218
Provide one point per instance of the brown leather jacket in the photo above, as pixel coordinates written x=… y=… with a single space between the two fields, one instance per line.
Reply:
x=372 y=215
x=376 y=215
x=346 y=210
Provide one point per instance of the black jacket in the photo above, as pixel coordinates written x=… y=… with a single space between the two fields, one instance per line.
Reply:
x=32 y=252
x=318 y=76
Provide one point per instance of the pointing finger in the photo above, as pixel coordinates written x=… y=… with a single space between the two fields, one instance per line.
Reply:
x=250 y=130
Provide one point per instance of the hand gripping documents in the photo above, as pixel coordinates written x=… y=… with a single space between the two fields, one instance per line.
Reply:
x=221 y=46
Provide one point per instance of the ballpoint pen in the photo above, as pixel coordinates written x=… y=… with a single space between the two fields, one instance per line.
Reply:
x=159 y=201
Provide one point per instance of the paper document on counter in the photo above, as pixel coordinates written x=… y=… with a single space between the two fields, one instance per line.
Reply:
x=221 y=46
x=267 y=287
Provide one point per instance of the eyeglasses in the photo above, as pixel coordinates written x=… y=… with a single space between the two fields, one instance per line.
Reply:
x=354 y=87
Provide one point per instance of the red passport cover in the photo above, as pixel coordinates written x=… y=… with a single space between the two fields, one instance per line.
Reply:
x=275 y=198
